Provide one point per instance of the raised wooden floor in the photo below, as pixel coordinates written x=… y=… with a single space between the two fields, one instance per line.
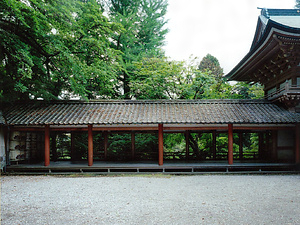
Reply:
x=65 y=167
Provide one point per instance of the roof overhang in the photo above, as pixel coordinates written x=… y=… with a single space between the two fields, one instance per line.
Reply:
x=147 y=115
x=275 y=53
x=154 y=127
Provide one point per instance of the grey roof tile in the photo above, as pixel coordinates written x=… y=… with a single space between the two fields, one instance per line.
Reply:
x=148 y=112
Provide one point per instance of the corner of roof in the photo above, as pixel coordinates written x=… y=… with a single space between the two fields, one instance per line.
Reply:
x=264 y=25
x=264 y=12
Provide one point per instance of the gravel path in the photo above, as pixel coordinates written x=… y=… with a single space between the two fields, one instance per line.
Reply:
x=157 y=199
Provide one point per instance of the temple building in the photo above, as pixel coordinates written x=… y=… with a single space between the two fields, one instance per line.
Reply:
x=274 y=57
x=27 y=128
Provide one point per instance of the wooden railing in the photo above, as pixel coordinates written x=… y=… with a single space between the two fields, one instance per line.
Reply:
x=286 y=90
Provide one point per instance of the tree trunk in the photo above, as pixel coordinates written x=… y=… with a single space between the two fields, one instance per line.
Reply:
x=126 y=86
x=194 y=146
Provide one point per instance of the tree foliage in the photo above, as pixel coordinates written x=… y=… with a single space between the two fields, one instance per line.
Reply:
x=161 y=78
x=54 y=47
x=211 y=64
x=297 y=4
x=143 y=34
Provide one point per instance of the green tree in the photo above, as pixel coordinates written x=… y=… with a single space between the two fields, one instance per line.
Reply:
x=156 y=78
x=247 y=91
x=297 y=4
x=211 y=64
x=160 y=78
x=143 y=35
x=53 y=47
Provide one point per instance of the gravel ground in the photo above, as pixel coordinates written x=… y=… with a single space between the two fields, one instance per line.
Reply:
x=157 y=199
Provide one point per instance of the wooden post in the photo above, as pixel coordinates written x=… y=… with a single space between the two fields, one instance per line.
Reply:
x=90 y=145
x=187 y=145
x=297 y=144
x=105 y=136
x=241 y=145
x=132 y=145
x=72 y=145
x=268 y=136
x=230 y=144
x=214 y=144
x=47 y=145
x=160 y=145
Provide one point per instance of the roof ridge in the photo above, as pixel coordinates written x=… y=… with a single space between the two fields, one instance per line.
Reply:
x=141 y=101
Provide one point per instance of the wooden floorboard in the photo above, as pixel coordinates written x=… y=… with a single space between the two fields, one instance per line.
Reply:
x=151 y=167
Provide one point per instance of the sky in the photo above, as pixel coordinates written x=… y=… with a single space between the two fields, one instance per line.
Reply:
x=224 y=29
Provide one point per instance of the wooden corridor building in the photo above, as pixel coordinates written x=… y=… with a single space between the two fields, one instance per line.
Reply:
x=273 y=61
x=158 y=116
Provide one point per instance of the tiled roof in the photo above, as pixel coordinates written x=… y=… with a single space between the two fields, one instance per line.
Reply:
x=148 y=112
x=273 y=26
x=280 y=12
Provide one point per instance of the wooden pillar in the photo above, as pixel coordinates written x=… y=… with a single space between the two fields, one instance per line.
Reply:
x=187 y=144
x=47 y=145
x=105 y=136
x=132 y=145
x=90 y=145
x=268 y=144
x=230 y=144
x=160 y=145
x=214 y=144
x=297 y=144
x=72 y=145
x=241 y=145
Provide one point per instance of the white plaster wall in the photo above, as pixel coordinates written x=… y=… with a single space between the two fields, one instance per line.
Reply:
x=2 y=149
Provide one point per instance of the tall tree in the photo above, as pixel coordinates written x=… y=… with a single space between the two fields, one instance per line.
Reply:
x=53 y=47
x=211 y=64
x=143 y=35
x=297 y=4
x=159 y=78
x=156 y=78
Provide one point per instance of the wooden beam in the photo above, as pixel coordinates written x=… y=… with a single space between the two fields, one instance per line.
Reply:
x=217 y=127
x=118 y=128
x=132 y=145
x=160 y=144
x=47 y=145
x=258 y=128
x=129 y=129
x=297 y=144
x=230 y=144
x=90 y=145
x=28 y=129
